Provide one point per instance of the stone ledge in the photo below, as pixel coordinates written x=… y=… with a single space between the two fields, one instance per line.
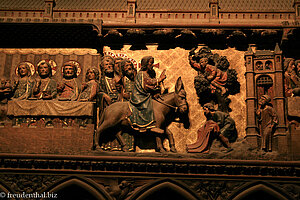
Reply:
x=149 y=165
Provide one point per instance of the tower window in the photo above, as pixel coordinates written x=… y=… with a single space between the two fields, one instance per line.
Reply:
x=214 y=10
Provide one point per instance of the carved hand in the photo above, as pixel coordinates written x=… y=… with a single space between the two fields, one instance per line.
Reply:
x=162 y=76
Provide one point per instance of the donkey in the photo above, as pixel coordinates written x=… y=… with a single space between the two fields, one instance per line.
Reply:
x=168 y=108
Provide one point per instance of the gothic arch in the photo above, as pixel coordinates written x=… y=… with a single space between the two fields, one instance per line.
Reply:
x=260 y=191
x=79 y=185
x=165 y=189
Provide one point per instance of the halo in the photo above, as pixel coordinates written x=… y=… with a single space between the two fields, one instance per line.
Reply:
x=75 y=63
x=31 y=66
x=52 y=64
x=122 y=55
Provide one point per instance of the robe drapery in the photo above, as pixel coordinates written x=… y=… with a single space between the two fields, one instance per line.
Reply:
x=219 y=123
x=23 y=88
x=140 y=104
x=68 y=90
x=206 y=135
x=49 y=86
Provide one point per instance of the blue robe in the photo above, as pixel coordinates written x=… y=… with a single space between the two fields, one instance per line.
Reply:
x=142 y=116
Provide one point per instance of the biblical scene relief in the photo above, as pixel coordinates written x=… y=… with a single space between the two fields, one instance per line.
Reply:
x=176 y=100
x=226 y=91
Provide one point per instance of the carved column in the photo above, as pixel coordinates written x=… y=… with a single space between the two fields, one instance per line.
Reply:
x=279 y=101
x=252 y=135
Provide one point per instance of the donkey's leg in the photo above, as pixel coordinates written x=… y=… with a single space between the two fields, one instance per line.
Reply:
x=122 y=141
x=171 y=141
x=102 y=128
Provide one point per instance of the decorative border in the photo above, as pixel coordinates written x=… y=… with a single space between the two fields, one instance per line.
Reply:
x=149 y=166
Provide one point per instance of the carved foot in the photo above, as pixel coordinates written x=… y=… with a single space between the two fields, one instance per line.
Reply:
x=173 y=149
x=93 y=147
x=161 y=150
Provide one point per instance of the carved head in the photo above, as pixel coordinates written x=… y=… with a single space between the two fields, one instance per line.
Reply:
x=208 y=109
x=24 y=69
x=128 y=69
x=69 y=70
x=117 y=67
x=92 y=74
x=203 y=62
x=264 y=100
x=107 y=65
x=289 y=64
x=147 y=63
x=44 y=69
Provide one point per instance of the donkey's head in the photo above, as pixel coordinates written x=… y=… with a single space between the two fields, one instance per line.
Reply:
x=181 y=103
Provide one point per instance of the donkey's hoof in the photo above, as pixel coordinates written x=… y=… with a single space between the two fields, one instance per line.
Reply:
x=125 y=149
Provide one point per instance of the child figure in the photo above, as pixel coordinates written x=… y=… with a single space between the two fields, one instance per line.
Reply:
x=268 y=120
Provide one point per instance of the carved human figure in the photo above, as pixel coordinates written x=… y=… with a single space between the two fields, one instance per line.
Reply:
x=23 y=86
x=214 y=81
x=291 y=80
x=219 y=125
x=90 y=87
x=216 y=77
x=118 y=66
x=297 y=63
x=45 y=87
x=146 y=85
x=110 y=92
x=268 y=120
x=129 y=73
x=110 y=82
x=296 y=91
x=5 y=93
x=68 y=88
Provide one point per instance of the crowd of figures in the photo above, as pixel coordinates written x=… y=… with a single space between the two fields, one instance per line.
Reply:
x=116 y=81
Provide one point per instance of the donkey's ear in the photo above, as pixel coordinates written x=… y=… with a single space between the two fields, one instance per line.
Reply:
x=178 y=85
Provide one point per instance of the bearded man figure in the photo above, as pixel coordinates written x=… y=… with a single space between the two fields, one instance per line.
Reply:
x=46 y=87
x=68 y=88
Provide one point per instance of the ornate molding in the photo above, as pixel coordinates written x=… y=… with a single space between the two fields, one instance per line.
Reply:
x=189 y=167
x=28 y=183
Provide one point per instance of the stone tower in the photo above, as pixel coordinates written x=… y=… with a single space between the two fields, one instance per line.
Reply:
x=264 y=75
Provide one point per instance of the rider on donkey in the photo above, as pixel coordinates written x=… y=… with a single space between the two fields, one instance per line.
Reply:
x=146 y=85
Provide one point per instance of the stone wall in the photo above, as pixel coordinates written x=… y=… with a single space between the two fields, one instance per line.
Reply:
x=73 y=140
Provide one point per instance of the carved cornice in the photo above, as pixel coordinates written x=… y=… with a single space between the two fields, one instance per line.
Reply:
x=150 y=166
